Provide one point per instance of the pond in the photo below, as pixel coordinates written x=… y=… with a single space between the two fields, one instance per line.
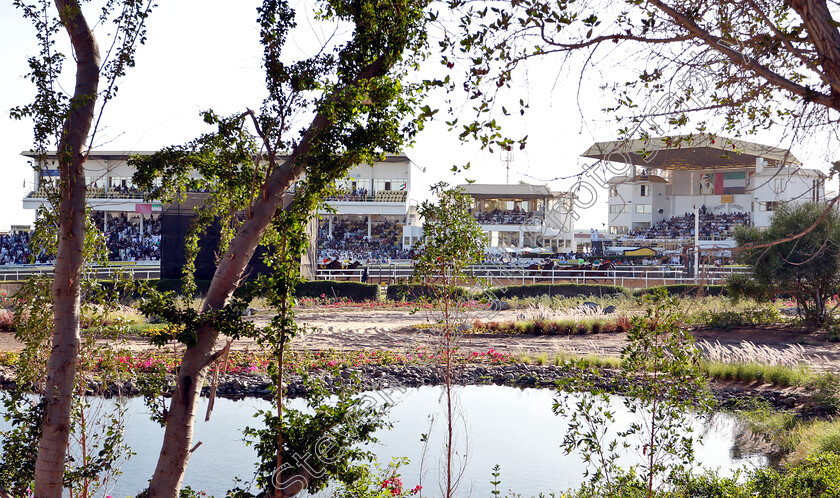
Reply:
x=514 y=428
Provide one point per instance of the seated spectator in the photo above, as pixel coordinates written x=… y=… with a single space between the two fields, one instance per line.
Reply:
x=682 y=227
x=350 y=242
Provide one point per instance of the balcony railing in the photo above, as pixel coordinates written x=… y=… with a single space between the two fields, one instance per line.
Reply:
x=96 y=193
x=510 y=218
x=381 y=196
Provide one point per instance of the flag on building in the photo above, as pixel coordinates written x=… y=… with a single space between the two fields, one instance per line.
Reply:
x=403 y=186
x=729 y=183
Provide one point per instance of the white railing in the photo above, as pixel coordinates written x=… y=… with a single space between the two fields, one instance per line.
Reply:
x=617 y=276
x=144 y=271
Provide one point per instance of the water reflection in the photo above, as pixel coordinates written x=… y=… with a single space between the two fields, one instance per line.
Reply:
x=514 y=428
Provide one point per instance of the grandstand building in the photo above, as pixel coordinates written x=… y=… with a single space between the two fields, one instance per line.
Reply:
x=370 y=212
x=731 y=182
x=108 y=178
x=130 y=220
x=523 y=218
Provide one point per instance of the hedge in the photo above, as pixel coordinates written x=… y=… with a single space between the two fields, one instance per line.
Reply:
x=418 y=292
x=354 y=291
x=685 y=290
x=559 y=290
x=175 y=284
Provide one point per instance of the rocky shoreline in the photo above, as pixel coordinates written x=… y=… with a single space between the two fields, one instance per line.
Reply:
x=372 y=378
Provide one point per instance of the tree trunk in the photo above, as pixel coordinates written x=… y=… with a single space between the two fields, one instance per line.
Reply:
x=177 y=439
x=61 y=367
x=172 y=462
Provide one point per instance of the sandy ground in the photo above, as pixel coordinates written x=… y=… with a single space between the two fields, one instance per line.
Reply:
x=355 y=329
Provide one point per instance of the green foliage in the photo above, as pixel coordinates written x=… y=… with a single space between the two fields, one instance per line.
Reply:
x=807 y=267
x=553 y=290
x=568 y=326
x=185 y=322
x=20 y=442
x=684 y=290
x=452 y=238
x=177 y=286
x=354 y=291
x=384 y=483
x=422 y=292
x=819 y=475
x=452 y=241
x=663 y=382
x=321 y=441
x=767 y=315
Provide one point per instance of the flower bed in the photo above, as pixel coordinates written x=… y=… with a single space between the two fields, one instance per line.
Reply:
x=258 y=362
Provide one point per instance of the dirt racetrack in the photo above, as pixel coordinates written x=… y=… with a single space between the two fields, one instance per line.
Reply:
x=394 y=329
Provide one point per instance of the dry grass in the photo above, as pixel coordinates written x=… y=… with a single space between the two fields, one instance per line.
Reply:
x=793 y=355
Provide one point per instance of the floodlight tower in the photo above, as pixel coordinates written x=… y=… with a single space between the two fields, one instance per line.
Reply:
x=507 y=157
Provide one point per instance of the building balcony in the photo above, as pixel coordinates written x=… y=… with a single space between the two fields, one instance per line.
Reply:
x=97 y=193
x=510 y=218
x=380 y=196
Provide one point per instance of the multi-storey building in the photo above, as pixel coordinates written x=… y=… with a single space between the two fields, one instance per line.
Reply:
x=522 y=216
x=729 y=181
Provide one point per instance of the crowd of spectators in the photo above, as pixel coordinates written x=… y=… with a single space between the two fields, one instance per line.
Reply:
x=515 y=216
x=349 y=242
x=15 y=250
x=127 y=242
x=680 y=227
x=124 y=242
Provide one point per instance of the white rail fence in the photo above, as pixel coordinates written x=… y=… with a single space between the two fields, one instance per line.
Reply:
x=380 y=273
x=17 y=273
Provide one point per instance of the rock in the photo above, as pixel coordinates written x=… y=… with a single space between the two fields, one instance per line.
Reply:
x=590 y=305
x=249 y=311
x=499 y=305
x=610 y=309
x=789 y=311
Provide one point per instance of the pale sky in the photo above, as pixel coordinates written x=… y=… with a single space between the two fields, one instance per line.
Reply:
x=204 y=54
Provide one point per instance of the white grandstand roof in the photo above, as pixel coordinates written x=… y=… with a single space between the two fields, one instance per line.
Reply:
x=790 y=171
x=639 y=179
x=689 y=152
x=498 y=191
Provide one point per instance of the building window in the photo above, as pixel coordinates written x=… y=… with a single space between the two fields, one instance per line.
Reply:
x=389 y=184
x=815 y=190
x=778 y=185
x=618 y=208
x=645 y=190
x=613 y=191
x=618 y=230
x=509 y=239
x=122 y=183
x=768 y=205
x=644 y=208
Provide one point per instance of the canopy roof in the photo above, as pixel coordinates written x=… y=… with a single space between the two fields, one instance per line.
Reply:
x=504 y=191
x=689 y=152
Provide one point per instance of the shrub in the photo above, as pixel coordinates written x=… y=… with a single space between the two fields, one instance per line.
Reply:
x=175 y=285
x=420 y=292
x=818 y=475
x=744 y=318
x=594 y=325
x=7 y=320
x=552 y=290
x=354 y=291
x=685 y=290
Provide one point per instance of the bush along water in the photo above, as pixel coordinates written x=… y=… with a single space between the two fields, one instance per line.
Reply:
x=663 y=382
